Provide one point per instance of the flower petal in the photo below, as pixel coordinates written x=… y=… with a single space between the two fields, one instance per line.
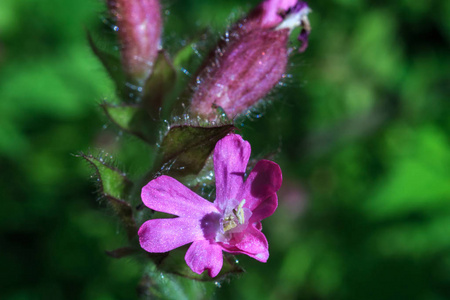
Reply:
x=231 y=156
x=257 y=225
x=263 y=182
x=167 y=195
x=265 y=209
x=203 y=255
x=162 y=235
x=252 y=242
x=271 y=11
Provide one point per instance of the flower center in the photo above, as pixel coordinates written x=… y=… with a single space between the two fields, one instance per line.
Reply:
x=235 y=217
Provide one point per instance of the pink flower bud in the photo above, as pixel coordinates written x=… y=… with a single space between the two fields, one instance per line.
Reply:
x=139 y=26
x=251 y=60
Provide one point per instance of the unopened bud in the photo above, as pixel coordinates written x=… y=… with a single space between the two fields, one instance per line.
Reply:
x=139 y=26
x=251 y=61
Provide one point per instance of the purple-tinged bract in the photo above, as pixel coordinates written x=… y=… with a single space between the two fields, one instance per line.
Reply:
x=232 y=223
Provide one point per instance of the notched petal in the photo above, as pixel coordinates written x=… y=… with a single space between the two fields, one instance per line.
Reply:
x=203 y=255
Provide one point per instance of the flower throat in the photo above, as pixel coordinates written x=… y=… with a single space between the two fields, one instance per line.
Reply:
x=235 y=218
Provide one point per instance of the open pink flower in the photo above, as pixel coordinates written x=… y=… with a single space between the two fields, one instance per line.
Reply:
x=232 y=223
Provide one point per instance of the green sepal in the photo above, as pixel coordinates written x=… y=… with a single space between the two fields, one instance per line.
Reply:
x=184 y=55
x=175 y=263
x=159 y=84
x=185 y=149
x=133 y=119
x=112 y=65
x=115 y=188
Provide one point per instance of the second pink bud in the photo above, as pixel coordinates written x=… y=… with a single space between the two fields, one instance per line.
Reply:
x=250 y=61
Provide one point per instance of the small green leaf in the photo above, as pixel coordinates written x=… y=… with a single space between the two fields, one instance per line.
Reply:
x=185 y=149
x=159 y=84
x=112 y=65
x=132 y=119
x=115 y=187
x=114 y=183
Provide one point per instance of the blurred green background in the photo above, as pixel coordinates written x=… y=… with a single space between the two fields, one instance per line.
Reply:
x=362 y=128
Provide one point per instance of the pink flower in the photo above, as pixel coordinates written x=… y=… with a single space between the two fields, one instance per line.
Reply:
x=232 y=223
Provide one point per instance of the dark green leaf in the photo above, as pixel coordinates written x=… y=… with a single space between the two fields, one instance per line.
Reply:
x=185 y=149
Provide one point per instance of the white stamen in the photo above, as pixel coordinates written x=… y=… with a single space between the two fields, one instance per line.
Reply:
x=239 y=212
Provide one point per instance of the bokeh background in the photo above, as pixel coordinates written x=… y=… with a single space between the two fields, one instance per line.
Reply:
x=360 y=128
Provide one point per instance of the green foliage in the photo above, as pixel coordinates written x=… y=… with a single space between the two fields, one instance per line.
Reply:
x=417 y=179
